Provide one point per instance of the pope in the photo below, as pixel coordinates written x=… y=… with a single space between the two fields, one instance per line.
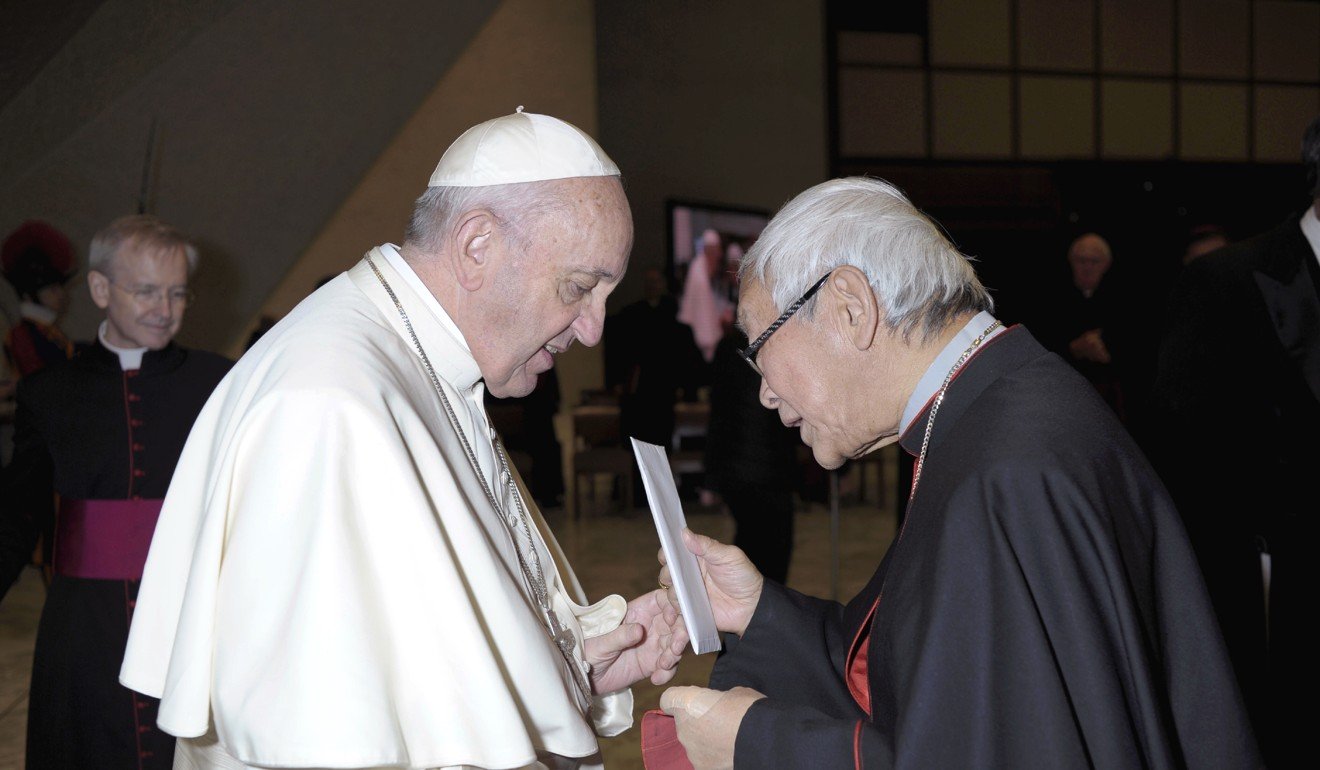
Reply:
x=347 y=571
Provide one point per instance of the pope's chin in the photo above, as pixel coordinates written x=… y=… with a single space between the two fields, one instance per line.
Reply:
x=523 y=380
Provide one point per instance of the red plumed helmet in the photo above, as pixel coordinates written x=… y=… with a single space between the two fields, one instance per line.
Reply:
x=37 y=255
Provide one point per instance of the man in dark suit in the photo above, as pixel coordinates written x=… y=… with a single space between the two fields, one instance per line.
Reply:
x=1041 y=606
x=104 y=432
x=1238 y=399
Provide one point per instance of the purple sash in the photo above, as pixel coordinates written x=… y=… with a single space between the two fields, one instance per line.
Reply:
x=104 y=539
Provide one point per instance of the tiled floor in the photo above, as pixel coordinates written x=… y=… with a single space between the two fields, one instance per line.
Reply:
x=18 y=630
x=612 y=553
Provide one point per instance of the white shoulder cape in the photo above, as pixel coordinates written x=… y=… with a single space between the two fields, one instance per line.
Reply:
x=328 y=585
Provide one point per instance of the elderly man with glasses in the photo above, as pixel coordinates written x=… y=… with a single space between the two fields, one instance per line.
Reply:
x=1041 y=606
x=104 y=432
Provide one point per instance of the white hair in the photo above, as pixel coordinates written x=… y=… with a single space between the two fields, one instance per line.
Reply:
x=141 y=231
x=516 y=207
x=920 y=279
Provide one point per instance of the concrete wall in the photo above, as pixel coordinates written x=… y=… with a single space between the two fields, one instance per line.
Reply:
x=715 y=102
x=270 y=111
x=534 y=53
x=296 y=133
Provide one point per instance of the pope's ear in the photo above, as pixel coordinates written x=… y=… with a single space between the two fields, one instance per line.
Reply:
x=99 y=285
x=851 y=303
x=474 y=239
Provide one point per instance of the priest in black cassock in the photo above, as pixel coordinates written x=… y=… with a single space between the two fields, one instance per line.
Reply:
x=1040 y=607
x=103 y=433
x=1238 y=402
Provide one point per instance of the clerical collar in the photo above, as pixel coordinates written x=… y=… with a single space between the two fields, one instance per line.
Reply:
x=33 y=311
x=1311 y=229
x=939 y=368
x=129 y=358
x=460 y=371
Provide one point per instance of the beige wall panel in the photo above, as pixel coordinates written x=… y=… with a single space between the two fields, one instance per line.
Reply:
x=972 y=116
x=1136 y=36
x=1056 y=34
x=879 y=48
x=969 y=32
x=1136 y=119
x=882 y=113
x=1056 y=115
x=718 y=102
x=1212 y=122
x=541 y=55
x=1212 y=36
x=1282 y=115
x=1287 y=41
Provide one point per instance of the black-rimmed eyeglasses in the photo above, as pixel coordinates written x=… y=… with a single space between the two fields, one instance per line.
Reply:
x=749 y=353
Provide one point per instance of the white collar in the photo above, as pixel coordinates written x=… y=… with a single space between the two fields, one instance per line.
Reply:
x=1311 y=229
x=33 y=311
x=460 y=370
x=129 y=358
x=930 y=382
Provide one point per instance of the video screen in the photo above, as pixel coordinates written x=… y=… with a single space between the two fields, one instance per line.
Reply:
x=706 y=246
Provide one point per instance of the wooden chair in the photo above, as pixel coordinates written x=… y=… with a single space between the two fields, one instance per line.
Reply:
x=598 y=449
x=687 y=449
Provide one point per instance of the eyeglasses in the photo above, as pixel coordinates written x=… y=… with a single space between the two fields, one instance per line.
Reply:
x=749 y=353
x=149 y=295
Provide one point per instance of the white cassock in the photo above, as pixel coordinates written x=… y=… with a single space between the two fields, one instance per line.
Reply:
x=703 y=308
x=330 y=586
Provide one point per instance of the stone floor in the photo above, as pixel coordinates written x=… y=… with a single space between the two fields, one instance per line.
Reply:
x=612 y=553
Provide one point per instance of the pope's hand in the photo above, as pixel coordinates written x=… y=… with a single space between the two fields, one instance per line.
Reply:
x=733 y=584
x=708 y=721
x=645 y=644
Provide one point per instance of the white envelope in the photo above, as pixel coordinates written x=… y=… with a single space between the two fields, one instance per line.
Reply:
x=683 y=568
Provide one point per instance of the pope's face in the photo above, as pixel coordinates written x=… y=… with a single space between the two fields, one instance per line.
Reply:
x=806 y=380
x=552 y=289
x=144 y=296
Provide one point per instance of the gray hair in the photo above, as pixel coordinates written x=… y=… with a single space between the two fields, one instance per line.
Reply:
x=516 y=207
x=920 y=279
x=142 y=231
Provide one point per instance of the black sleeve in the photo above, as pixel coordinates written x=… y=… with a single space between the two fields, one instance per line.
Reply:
x=794 y=653
x=26 y=489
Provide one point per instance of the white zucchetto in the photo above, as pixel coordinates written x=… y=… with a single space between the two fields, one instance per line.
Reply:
x=522 y=147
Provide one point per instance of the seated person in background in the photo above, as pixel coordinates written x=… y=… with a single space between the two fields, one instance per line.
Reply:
x=1041 y=606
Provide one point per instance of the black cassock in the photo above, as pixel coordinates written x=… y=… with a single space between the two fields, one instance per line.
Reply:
x=1238 y=400
x=1040 y=608
x=90 y=431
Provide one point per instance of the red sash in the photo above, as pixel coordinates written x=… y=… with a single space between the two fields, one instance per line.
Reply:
x=104 y=539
